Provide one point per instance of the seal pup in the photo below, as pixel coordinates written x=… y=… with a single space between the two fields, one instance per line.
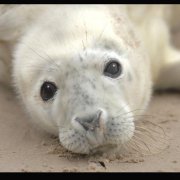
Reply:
x=82 y=71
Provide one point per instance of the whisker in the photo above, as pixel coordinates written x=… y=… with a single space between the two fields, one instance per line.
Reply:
x=46 y=58
x=145 y=134
x=148 y=130
x=128 y=112
x=101 y=33
x=133 y=145
x=155 y=125
x=140 y=142
x=153 y=142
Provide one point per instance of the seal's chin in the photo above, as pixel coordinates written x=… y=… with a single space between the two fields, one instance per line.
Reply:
x=95 y=141
x=82 y=145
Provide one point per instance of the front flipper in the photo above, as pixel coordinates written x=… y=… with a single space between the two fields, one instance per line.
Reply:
x=169 y=76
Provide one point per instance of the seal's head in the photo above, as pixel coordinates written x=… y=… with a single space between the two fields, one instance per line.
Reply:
x=80 y=84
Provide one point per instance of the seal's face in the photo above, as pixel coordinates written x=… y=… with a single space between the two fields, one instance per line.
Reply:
x=83 y=98
x=84 y=94
x=86 y=101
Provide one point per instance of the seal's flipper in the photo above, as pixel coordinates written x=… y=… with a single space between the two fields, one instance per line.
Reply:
x=169 y=76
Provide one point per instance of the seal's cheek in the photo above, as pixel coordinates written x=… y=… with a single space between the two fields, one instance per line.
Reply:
x=120 y=130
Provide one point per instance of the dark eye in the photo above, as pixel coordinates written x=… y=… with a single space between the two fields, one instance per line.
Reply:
x=113 y=69
x=48 y=90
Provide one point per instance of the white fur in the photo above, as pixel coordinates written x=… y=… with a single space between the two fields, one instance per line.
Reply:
x=70 y=45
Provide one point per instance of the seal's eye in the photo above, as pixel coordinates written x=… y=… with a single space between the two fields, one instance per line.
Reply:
x=48 y=90
x=113 y=69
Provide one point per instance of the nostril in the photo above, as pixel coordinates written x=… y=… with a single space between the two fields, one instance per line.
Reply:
x=85 y=124
x=91 y=122
x=98 y=114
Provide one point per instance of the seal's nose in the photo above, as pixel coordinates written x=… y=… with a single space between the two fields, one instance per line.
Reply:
x=91 y=122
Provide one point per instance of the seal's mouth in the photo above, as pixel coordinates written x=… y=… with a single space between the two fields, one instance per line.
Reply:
x=83 y=143
x=95 y=133
x=96 y=142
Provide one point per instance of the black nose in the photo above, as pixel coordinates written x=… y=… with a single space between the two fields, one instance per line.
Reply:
x=91 y=122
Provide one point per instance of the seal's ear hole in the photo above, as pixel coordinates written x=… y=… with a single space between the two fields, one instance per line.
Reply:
x=48 y=90
x=113 y=69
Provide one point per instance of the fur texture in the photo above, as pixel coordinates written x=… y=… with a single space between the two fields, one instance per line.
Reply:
x=70 y=46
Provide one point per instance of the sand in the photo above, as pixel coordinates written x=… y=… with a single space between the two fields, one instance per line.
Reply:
x=23 y=148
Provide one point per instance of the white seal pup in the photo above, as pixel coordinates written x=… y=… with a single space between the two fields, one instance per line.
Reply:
x=82 y=71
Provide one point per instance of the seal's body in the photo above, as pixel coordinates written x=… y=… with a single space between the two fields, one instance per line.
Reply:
x=83 y=71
